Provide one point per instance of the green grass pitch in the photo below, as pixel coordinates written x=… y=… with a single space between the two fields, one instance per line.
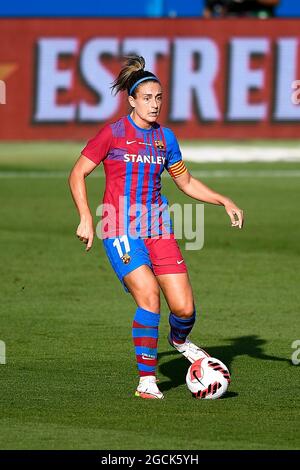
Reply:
x=70 y=375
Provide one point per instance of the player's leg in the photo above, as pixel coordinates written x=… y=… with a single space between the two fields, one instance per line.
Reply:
x=133 y=269
x=145 y=290
x=178 y=293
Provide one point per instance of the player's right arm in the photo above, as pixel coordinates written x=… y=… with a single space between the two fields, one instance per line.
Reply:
x=91 y=156
x=82 y=168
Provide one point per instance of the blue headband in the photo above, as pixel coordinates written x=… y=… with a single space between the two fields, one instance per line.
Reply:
x=151 y=77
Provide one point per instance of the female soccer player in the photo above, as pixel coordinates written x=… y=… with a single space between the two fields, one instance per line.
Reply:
x=136 y=228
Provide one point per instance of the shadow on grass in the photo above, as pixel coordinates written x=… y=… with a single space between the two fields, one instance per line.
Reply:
x=251 y=346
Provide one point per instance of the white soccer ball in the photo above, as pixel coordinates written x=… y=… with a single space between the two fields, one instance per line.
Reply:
x=208 y=378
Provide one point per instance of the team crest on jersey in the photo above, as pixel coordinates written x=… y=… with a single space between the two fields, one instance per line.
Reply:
x=126 y=258
x=159 y=144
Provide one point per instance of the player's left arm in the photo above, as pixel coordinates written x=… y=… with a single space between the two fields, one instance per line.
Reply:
x=196 y=189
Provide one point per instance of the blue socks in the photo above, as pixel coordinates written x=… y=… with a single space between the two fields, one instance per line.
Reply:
x=181 y=327
x=145 y=339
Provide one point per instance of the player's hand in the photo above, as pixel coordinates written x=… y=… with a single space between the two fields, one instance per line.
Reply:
x=85 y=231
x=236 y=215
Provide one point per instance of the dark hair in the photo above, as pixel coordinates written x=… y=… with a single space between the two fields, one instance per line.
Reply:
x=131 y=72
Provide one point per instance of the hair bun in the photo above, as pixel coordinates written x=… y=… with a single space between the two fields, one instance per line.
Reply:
x=136 y=63
x=133 y=69
x=142 y=62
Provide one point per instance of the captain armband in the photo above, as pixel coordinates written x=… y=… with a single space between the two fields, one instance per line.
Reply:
x=177 y=169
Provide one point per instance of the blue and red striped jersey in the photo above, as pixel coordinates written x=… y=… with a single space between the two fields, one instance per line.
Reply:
x=134 y=159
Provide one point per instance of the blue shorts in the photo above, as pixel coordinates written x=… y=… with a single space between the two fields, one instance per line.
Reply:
x=126 y=254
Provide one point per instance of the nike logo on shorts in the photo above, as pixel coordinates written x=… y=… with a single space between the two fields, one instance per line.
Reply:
x=179 y=262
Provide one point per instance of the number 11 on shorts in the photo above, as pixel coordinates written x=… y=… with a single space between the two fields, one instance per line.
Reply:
x=117 y=244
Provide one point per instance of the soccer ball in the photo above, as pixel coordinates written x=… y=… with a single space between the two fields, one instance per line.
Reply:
x=208 y=378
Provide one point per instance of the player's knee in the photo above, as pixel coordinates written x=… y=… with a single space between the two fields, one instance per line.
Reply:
x=184 y=311
x=151 y=300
